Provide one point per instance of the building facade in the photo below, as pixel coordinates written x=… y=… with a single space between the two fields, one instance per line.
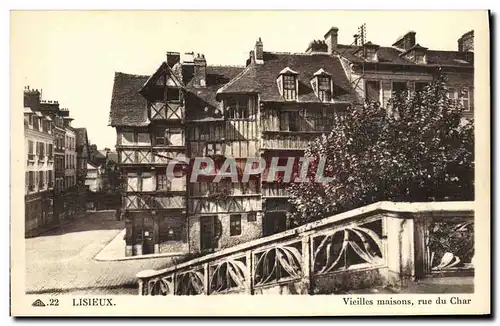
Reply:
x=270 y=109
x=39 y=168
x=93 y=180
x=82 y=159
x=379 y=72
x=51 y=192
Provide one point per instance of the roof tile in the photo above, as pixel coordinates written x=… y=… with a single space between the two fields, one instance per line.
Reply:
x=261 y=78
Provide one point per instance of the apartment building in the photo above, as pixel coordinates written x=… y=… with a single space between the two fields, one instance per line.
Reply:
x=51 y=192
x=39 y=164
x=269 y=108
x=378 y=72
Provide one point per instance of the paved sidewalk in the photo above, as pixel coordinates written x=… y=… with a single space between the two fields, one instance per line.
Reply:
x=62 y=260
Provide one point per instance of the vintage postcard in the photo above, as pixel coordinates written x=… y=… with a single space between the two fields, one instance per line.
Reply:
x=250 y=163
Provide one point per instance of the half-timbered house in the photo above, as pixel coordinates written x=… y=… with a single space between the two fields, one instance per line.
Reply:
x=186 y=110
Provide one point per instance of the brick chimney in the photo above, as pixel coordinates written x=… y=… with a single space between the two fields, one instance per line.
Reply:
x=173 y=58
x=406 y=42
x=331 y=39
x=317 y=46
x=200 y=71
x=466 y=42
x=31 y=98
x=259 y=52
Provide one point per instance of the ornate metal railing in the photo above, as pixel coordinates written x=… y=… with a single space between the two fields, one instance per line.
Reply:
x=394 y=242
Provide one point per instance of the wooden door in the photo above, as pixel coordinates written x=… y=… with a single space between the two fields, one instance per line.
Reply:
x=207 y=233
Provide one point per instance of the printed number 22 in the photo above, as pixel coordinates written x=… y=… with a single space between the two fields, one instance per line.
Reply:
x=54 y=302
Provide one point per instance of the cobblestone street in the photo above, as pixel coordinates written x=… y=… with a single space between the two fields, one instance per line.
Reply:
x=62 y=260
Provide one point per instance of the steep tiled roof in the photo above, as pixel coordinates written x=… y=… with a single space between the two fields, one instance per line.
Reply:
x=128 y=107
x=217 y=76
x=261 y=78
x=450 y=58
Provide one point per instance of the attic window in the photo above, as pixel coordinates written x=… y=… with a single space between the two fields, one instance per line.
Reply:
x=289 y=89
x=370 y=53
x=237 y=108
x=287 y=84
x=173 y=94
x=322 y=85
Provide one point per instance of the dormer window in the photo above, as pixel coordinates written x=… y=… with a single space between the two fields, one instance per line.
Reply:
x=369 y=52
x=322 y=85
x=289 y=89
x=288 y=84
x=416 y=54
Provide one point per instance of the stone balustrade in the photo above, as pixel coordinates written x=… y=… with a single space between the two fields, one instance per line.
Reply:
x=380 y=244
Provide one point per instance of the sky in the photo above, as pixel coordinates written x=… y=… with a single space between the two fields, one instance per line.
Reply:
x=73 y=55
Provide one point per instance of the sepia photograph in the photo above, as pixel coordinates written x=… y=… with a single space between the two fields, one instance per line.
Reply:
x=265 y=154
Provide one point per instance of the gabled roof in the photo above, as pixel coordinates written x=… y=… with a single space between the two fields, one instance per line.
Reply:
x=128 y=107
x=261 y=78
x=321 y=72
x=159 y=72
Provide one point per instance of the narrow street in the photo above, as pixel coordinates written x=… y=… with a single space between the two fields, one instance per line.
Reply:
x=62 y=260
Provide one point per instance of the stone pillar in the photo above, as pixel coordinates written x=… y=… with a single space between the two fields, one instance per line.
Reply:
x=249 y=273
x=206 y=279
x=306 y=265
x=400 y=248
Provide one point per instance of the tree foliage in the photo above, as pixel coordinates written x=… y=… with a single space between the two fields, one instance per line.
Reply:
x=418 y=149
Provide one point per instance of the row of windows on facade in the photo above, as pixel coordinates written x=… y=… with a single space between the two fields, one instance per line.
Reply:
x=322 y=86
x=46 y=150
x=208 y=224
x=373 y=91
x=159 y=182
x=44 y=179
x=42 y=124
x=161 y=136
x=68 y=142
x=289 y=121
x=42 y=150
x=67 y=182
x=172 y=232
